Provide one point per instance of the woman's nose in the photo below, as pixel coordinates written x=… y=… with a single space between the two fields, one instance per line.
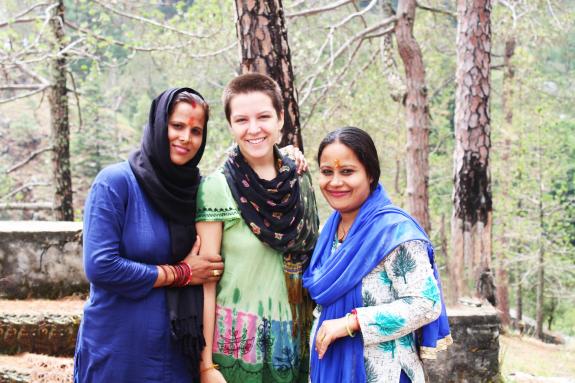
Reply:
x=336 y=179
x=253 y=126
x=185 y=136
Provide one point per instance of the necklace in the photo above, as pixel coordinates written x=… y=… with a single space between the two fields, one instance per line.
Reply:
x=342 y=237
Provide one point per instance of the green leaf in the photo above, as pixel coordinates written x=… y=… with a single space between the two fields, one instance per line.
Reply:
x=403 y=264
x=388 y=347
x=407 y=341
x=388 y=323
x=430 y=290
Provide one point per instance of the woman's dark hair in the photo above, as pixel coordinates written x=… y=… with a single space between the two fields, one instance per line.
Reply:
x=192 y=99
x=361 y=145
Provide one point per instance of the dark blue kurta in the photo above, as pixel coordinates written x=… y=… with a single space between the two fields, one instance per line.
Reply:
x=124 y=335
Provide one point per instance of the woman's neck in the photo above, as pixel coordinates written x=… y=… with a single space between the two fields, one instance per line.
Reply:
x=347 y=219
x=265 y=167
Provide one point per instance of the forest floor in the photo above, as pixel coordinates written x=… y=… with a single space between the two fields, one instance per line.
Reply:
x=528 y=360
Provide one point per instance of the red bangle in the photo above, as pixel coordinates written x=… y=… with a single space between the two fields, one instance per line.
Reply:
x=354 y=313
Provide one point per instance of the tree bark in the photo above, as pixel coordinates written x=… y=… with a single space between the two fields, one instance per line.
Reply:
x=264 y=49
x=541 y=258
x=58 y=99
x=472 y=204
x=417 y=115
x=507 y=105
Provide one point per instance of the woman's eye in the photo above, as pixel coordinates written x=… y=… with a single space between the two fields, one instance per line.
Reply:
x=326 y=172
x=197 y=132
x=240 y=120
x=346 y=171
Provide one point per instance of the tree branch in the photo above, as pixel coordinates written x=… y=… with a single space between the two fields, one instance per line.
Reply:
x=122 y=44
x=23 y=187
x=7 y=100
x=152 y=22
x=308 y=82
x=30 y=158
x=453 y=15
x=314 y=11
x=26 y=205
x=356 y=14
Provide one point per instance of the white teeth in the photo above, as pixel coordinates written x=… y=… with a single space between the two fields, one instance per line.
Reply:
x=256 y=141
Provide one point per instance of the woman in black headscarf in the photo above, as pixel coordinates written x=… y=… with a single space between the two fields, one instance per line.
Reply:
x=143 y=319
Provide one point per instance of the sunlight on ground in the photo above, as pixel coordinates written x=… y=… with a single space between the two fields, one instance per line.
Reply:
x=521 y=356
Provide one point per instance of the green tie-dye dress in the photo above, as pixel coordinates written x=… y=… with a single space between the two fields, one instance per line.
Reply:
x=253 y=339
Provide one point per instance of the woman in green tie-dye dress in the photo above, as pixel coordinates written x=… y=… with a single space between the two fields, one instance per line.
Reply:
x=261 y=216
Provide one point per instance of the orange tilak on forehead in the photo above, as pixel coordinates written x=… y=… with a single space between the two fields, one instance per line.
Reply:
x=336 y=163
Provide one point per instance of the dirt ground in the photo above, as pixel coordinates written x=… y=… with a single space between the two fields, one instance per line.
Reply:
x=527 y=360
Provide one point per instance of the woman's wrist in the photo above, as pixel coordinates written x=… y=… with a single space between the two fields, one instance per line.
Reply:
x=355 y=326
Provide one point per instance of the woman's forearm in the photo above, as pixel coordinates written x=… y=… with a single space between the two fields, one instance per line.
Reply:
x=209 y=323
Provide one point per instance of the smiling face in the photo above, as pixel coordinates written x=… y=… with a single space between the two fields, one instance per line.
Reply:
x=343 y=179
x=255 y=125
x=185 y=132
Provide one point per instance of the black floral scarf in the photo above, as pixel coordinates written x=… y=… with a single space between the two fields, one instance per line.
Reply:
x=282 y=213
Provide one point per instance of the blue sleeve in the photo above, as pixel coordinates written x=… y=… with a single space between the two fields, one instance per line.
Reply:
x=103 y=226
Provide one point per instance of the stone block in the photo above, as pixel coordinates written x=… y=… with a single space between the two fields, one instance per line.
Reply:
x=41 y=259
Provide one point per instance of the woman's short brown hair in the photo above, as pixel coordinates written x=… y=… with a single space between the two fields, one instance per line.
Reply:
x=249 y=83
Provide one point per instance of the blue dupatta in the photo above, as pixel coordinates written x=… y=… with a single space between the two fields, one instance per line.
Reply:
x=334 y=281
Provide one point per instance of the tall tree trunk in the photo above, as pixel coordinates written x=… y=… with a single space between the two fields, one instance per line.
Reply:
x=417 y=115
x=519 y=295
x=541 y=258
x=58 y=99
x=507 y=103
x=264 y=48
x=472 y=205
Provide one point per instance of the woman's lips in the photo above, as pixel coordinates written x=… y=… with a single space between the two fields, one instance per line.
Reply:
x=337 y=194
x=255 y=141
x=180 y=149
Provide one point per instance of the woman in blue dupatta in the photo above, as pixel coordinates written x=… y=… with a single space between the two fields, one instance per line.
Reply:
x=372 y=275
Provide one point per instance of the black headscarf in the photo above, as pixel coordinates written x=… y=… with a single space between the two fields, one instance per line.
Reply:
x=172 y=190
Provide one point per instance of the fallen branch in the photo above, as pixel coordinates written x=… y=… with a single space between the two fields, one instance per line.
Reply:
x=30 y=158
x=26 y=205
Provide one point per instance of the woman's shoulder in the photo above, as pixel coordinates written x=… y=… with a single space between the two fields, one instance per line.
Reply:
x=115 y=174
x=215 y=200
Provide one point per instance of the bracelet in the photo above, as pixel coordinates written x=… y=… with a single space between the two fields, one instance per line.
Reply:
x=213 y=366
x=349 y=332
x=354 y=312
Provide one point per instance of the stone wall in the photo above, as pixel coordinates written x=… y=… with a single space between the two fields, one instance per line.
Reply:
x=41 y=259
x=474 y=355
x=44 y=260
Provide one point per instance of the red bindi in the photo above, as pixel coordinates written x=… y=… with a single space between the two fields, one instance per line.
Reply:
x=191 y=121
x=193 y=103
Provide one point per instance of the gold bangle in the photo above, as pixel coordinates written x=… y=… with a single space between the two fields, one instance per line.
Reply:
x=213 y=366
x=349 y=332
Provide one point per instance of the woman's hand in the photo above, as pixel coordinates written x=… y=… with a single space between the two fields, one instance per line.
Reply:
x=296 y=155
x=205 y=267
x=212 y=375
x=329 y=332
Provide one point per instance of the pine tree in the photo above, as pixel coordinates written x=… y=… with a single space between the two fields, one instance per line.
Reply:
x=388 y=347
x=407 y=341
x=370 y=374
x=403 y=264
x=368 y=299
x=388 y=323
x=385 y=279
x=431 y=291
